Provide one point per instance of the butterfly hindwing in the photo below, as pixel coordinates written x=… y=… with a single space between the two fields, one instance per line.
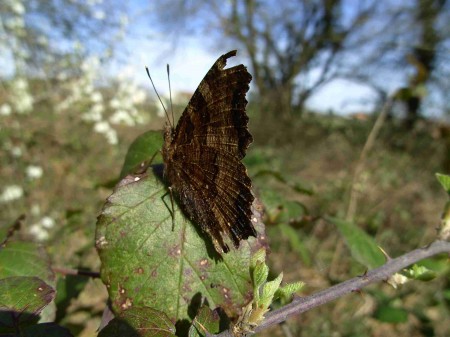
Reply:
x=218 y=194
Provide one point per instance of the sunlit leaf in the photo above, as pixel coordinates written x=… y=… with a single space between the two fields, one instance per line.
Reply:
x=142 y=149
x=444 y=180
x=149 y=260
x=260 y=273
x=18 y=258
x=268 y=291
x=420 y=273
x=139 y=321
x=23 y=296
x=286 y=292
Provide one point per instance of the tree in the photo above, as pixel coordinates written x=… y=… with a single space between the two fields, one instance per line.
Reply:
x=293 y=46
x=423 y=55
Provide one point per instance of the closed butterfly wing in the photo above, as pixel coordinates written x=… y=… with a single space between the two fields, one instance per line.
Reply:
x=202 y=156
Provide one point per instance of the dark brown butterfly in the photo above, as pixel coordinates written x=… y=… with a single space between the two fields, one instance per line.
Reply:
x=202 y=155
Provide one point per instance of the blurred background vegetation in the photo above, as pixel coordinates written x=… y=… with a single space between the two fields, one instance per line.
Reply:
x=70 y=107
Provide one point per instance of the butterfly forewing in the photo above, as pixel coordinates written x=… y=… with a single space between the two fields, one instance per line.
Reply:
x=202 y=156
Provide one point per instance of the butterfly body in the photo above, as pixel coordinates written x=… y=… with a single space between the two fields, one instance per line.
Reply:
x=202 y=156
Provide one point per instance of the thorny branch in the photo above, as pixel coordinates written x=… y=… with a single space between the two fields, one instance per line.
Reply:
x=382 y=273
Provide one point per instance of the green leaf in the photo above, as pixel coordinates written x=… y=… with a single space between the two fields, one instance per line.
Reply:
x=206 y=319
x=25 y=297
x=139 y=322
x=390 y=314
x=259 y=256
x=286 y=181
x=18 y=258
x=291 y=211
x=362 y=247
x=445 y=181
x=446 y=294
x=296 y=243
x=286 y=292
x=150 y=260
x=269 y=290
x=142 y=149
x=420 y=273
x=260 y=274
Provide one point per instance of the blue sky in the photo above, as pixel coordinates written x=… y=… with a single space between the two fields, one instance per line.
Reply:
x=190 y=60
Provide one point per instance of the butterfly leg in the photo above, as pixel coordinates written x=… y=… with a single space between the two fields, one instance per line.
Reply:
x=172 y=205
x=173 y=208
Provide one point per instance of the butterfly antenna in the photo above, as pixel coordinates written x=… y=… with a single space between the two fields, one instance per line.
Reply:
x=156 y=91
x=170 y=93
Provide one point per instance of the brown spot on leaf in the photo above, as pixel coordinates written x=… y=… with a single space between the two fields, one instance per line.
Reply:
x=126 y=304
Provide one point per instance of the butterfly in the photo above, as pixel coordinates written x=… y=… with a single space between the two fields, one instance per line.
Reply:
x=202 y=156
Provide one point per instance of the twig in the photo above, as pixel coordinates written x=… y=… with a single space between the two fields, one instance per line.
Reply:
x=362 y=157
x=355 y=284
x=353 y=198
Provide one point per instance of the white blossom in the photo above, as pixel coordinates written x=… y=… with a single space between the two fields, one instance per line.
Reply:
x=20 y=84
x=40 y=230
x=88 y=88
x=5 y=109
x=15 y=23
x=96 y=97
x=90 y=65
x=47 y=222
x=105 y=128
x=396 y=280
x=35 y=210
x=16 y=151
x=101 y=127
x=40 y=233
x=17 y=7
x=94 y=2
x=11 y=193
x=42 y=40
x=114 y=103
x=99 y=15
x=124 y=20
x=62 y=76
x=127 y=96
x=95 y=113
x=25 y=104
x=34 y=172
x=21 y=98
x=122 y=117
x=139 y=96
